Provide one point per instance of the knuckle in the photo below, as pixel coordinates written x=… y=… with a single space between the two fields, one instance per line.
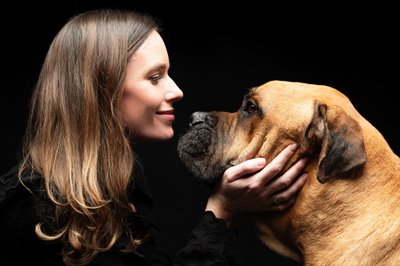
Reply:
x=285 y=181
x=254 y=186
x=275 y=169
x=284 y=197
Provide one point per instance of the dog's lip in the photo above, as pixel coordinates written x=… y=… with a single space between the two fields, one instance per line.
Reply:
x=197 y=126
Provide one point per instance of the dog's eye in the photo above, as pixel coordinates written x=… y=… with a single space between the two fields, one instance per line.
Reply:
x=249 y=107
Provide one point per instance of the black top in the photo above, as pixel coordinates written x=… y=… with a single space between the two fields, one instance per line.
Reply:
x=210 y=242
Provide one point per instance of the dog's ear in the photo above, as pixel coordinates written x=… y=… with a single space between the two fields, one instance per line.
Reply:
x=339 y=139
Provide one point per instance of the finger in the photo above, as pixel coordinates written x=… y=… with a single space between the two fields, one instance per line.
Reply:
x=276 y=165
x=289 y=176
x=291 y=191
x=245 y=168
x=283 y=205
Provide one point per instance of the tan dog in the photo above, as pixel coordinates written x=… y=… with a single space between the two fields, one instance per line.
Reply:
x=348 y=213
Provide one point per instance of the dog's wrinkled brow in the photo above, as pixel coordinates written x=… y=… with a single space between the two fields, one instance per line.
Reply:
x=250 y=94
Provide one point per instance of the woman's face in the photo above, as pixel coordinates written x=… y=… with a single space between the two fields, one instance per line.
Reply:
x=149 y=93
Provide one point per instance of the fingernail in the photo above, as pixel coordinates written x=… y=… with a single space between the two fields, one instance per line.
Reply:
x=260 y=161
x=293 y=147
x=305 y=159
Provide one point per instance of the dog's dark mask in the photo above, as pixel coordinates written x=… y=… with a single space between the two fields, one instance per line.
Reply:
x=196 y=146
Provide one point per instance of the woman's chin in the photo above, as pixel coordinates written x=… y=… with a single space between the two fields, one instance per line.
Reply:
x=163 y=136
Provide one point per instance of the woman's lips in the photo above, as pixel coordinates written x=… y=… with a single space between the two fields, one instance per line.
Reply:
x=167 y=115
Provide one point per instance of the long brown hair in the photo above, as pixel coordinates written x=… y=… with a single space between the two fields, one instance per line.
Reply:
x=75 y=138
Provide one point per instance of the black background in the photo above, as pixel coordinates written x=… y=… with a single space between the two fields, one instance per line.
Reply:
x=216 y=53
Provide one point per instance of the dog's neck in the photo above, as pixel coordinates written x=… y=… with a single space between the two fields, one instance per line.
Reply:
x=337 y=225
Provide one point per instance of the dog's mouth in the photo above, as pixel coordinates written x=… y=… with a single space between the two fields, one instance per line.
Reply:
x=195 y=143
x=197 y=151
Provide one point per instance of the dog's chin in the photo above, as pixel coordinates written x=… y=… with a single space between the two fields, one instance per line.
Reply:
x=195 y=151
x=209 y=175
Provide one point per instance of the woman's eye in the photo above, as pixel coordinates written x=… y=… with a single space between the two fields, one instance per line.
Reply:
x=155 y=78
x=249 y=107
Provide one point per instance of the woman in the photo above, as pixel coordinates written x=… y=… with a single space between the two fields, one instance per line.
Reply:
x=79 y=196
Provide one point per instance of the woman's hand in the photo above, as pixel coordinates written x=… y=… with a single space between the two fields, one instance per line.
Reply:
x=254 y=186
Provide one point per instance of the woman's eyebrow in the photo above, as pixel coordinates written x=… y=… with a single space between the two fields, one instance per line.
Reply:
x=158 y=67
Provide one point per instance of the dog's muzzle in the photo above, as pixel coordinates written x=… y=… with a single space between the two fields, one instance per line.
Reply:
x=196 y=146
x=197 y=140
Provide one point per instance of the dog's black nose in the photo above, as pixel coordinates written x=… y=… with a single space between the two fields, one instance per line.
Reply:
x=197 y=118
x=202 y=117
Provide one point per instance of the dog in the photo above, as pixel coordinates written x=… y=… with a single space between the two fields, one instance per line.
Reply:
x=348 y=212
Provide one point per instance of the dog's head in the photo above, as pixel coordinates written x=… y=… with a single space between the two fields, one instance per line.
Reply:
x=319 y=118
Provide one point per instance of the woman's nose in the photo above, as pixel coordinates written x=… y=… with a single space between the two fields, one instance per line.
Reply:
x=173 y=92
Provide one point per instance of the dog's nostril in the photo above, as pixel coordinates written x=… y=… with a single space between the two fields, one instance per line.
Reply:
x=197 y=118
x=191 y=124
